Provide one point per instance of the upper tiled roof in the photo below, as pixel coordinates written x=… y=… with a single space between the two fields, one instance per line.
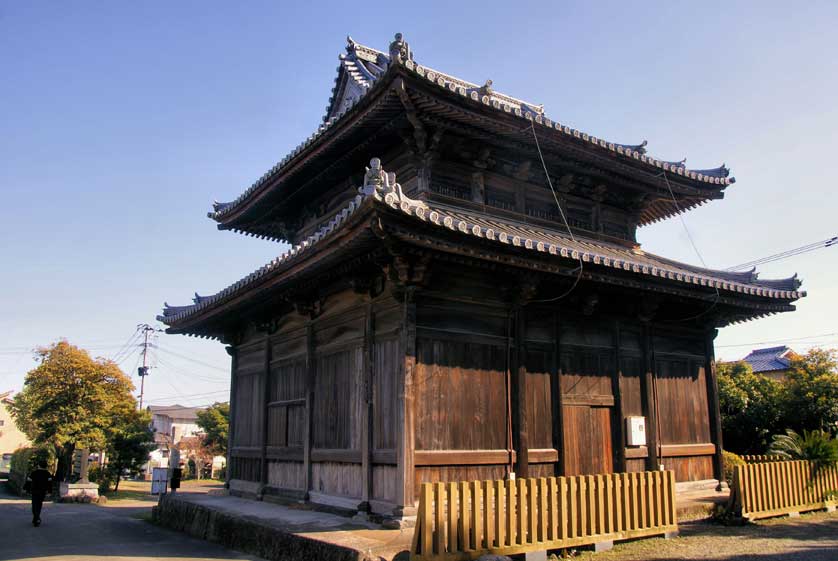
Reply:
x=360 y=71
x=769 y=359
x=175 y=411
x=381 y=189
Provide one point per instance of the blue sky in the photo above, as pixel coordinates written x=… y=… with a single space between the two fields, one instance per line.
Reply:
x=121 y=122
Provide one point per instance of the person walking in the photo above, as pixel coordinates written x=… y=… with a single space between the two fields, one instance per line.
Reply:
x=39 y=483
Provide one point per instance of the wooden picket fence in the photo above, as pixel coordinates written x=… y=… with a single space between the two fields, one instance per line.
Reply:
x=463 y=520
x=774 y=488
x=754 y=459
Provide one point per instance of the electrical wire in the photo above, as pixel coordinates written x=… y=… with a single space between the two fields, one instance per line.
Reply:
x=697 y=252
x=196 y=361
x=829 y=242
x=564 y=219
x=778 y=341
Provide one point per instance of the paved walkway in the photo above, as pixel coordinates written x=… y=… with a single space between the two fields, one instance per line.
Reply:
x=75 y=532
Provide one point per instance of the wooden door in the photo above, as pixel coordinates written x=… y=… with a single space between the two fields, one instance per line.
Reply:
x=587 y=439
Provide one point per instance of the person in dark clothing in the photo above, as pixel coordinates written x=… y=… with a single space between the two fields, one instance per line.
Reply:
x=40 y=483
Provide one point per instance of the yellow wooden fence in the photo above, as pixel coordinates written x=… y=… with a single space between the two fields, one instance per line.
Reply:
x=775 y=488
x=463 y=520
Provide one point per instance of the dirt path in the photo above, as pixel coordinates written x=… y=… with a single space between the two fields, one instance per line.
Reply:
x=812 y=537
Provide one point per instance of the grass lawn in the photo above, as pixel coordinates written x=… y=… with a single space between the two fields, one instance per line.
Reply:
x=141 y=490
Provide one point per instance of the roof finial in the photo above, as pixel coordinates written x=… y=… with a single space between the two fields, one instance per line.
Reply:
x=400 y=50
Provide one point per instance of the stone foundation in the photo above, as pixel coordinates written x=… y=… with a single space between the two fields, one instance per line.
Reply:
x=245 y=534
x=78 y=492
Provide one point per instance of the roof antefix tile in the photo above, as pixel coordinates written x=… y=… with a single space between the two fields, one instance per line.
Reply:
x=380 y=188
x=362 y=68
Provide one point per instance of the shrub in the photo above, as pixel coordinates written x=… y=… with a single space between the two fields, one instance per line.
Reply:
x=24 y=461
x=731 y=460
x=816 y=446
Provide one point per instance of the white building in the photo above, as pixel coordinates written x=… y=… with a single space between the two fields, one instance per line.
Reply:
x=171 y=424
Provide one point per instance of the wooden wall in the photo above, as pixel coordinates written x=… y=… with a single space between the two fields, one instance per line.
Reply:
x=315 y=403
x=359 y=404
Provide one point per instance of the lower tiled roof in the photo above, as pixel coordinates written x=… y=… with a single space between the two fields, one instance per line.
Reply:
x=381 y=188
x=770 y=359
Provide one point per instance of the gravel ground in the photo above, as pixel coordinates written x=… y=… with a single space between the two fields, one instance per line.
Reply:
x=812 y=537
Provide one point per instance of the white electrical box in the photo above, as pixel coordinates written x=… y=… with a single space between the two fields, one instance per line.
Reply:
x=636 y=431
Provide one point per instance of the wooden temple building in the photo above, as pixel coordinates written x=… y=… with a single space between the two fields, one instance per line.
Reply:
x=448 y=311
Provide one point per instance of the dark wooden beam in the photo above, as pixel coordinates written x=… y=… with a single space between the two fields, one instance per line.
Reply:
x=561 y=442
x=617 y=418
x=310 y=378
x=366 y=410
x=647 y=385
x=519 y=393
x=711 y=379
x=405 y=433
x=556 y=397
x=266 y=398
x=233 y=352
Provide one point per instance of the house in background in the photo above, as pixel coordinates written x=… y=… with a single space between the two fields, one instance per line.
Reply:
x=10 y=437
x=172 y=424
x=773 y=362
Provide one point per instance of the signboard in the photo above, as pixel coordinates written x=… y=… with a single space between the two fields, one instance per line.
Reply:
x=159 y=480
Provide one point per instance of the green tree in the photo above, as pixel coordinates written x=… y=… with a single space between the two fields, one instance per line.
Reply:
x=129 y=441
x=71 y=400
x=215 y=424
x=812 y=391
x=752 y=406
x=816 y=445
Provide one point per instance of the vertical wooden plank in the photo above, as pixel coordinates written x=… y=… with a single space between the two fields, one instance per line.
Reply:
x=453 y=516
x=609 y=504
x=660 y=494
x=558 y=410
x=440 y=502
x=562 y=508
x=619 y=525
x=233 y=352
x=601 y=496
x=635 y=507
x=553 y=509
x=572 y=513
x=625 y=483
x=476 y=515
x=490 y=514
x=584 y=526
x=521 y=519
x=673 y=509
x=544 y=529
x=532 y=510
x=426 y=520
x=511 y=513
x=590 y=483
x=405 y=435
x=643 y=515
x=464 y=524
x=263 y=431
x=501 y=514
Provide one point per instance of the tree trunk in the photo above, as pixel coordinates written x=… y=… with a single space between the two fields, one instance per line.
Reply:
x=116 y=485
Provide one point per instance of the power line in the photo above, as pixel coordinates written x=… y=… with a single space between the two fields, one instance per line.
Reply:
x=195 y=360
x=787 y=254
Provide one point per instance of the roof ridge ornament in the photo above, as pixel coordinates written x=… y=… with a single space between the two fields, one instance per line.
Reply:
x=400 y=50
x=383 y=187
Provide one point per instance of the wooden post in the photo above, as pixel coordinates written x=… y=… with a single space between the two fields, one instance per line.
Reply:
x=366 y=412
x=649 y=405
x=557 y=326
x=310 y=377
x=233 y=352
x=405 y=437
x=519 y=393
x=266 y=397
x=556 y=398
x=713 y=405
x=618 y=420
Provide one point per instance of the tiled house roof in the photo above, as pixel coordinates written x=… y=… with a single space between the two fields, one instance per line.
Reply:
x=770 y=359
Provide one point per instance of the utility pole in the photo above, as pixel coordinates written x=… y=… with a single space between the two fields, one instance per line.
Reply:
x=142 y=371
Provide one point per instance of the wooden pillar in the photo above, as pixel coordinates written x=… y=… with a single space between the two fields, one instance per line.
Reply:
x=310 y=378
x=618 y=418
x=556 y=398
x=518 y=367
x=266 y=393
x=405 y=434
x=650 y=406
x=713 y=404
x=560 y=442
x=366 y=412
x=231 y=427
